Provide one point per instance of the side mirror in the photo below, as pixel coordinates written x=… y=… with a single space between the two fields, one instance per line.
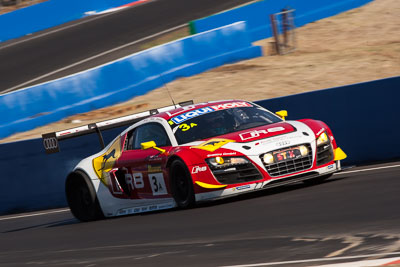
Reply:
x=151 y=144
x=282 y=114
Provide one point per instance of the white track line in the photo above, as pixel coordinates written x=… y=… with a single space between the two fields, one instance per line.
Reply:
x=93 y=57
x=34 y=214
x=364 y=263
x=369 y=169
x=312 y=260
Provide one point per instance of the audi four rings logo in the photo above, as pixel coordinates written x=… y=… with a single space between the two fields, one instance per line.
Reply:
x=50 y=143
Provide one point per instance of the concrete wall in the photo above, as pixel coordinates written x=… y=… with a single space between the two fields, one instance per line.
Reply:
x=123 y=79
x=257 y=14
x=363 y=117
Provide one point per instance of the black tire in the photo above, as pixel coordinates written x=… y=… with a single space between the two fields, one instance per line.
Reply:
x=317 y=180
x=82 y=199
x=181 y=185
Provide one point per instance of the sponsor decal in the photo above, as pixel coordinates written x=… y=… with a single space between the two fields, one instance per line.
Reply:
x=153 y=157
x=213 y=144
x=229 y=154
x=145 y=208
x=258 y=133
x=221 y=154
x=197 y=112
x=320 y=131
x=197 y=169
x=242 y=187
x=154 y=168
x=331 y=166
x=283 y=143
x=105 y=162
x=278 y=139
x=133 y=181
x=231 y=105
x=191 y=114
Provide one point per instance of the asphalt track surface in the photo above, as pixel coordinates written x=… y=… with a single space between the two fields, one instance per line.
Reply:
x=34 y=56
x=353 y=213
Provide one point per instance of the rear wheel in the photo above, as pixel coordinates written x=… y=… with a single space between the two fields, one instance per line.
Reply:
x=317 y=180
x=181 y=185
x=82 y=198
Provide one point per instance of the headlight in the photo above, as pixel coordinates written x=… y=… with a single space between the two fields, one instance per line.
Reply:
x=268 y=158
x=223 y=162
x=322 y=139
x=303 y=150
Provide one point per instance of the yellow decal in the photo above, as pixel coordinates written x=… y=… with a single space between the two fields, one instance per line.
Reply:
x=185 y=127
x=171 y=122
x=210 y=186
x=151 y=168
x=213 y=144
x=104 y=163
x=339 y=154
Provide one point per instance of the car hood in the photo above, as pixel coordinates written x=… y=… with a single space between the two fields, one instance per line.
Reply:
x=261 y=132
x=256 y=140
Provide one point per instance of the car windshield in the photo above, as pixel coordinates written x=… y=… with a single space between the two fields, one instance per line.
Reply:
x=209 y=123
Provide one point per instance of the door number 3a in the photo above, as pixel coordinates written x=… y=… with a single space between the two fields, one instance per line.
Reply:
x=157 y=184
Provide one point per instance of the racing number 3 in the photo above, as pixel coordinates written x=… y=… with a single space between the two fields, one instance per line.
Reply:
x=157 y=184
x=185 y=127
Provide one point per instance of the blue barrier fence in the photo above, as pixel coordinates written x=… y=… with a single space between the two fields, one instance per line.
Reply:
x=123 y=79
x=49 y=14
x=363 y=118
x=257 y=14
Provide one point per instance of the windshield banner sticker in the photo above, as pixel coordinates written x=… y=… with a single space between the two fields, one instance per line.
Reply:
x=191 y=114
x=231 y=105
x=194 y=113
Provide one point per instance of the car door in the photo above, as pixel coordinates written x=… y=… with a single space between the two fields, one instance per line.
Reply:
x=142 y=173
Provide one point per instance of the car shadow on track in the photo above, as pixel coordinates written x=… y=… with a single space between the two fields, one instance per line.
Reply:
x=252 y=195
x=266 y=192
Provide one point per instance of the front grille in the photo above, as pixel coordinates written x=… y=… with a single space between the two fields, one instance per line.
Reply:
x=324 y=154
x=290 y=165
x=237 y=174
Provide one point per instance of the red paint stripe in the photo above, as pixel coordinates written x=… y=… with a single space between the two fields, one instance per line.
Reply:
x=134 y=3
x=393 y=262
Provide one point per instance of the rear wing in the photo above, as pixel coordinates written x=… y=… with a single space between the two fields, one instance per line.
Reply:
x=51 y=140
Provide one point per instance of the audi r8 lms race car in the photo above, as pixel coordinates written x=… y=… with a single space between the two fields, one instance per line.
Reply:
x=183 y=154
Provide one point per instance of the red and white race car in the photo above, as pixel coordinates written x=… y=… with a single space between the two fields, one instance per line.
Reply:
x=190 y=153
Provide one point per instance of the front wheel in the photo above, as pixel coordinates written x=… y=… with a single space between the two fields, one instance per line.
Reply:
x=181 y=185
x=82 y=199
x=317 y=180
